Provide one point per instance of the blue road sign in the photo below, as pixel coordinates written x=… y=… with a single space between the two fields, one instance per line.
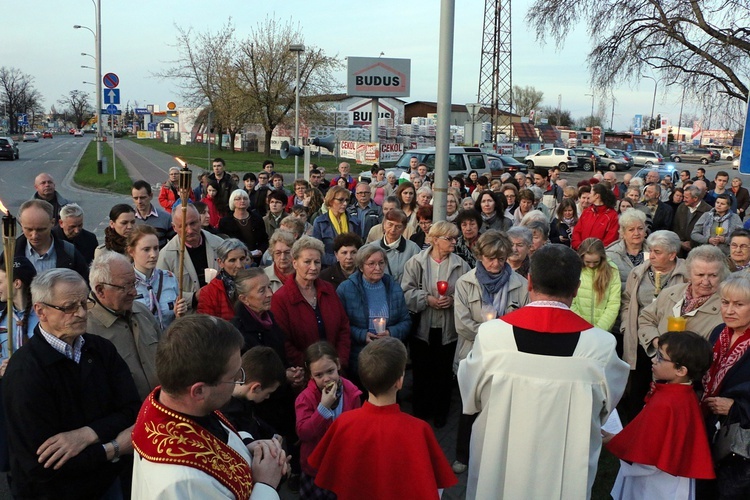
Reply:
x=112 y=96
x=152 y=127
x=745 y=158
x=112 y=109
x=106 y=111
x=111 y=80
x=141 y=111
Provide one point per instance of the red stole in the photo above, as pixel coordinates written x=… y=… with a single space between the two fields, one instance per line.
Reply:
x=547 y=319
x=668 y=433
x=165 y=436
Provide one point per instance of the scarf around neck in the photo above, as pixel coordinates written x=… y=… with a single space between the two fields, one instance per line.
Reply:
x=229 y=286
x=725 y=356
x=492 y=285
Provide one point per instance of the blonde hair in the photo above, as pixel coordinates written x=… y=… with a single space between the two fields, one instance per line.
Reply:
x=603 y=273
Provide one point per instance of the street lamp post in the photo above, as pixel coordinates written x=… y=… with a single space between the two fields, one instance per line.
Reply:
x=591 y=121
x=653 y=102
x=299 y=49
x=98 y=41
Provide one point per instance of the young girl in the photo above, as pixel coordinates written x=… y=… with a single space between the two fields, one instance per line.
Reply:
x=561 y=227
x=598 y=298
x=210 y=200
x=326 y=396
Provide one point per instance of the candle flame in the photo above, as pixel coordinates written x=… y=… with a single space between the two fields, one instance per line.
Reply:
x=3 y=209
x=182 y=162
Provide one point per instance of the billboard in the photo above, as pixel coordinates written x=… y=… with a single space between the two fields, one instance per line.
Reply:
x=378 y=77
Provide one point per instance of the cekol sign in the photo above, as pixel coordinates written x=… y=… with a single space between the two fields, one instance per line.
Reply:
x=378 y=77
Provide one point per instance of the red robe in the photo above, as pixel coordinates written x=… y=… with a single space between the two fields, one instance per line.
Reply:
x=380 y=452
x=668 y=434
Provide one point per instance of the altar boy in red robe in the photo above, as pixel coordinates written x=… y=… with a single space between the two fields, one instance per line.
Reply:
x=376 y=451
x=665 y=448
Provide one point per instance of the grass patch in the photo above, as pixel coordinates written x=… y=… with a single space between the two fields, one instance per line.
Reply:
x=87 y=176
x=241 y=161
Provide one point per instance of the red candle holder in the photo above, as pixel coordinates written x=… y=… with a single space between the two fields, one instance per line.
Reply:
x=442 y=287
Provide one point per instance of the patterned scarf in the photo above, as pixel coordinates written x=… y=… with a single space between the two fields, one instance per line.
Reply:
x=229 y=286
x=692 y=303
x=494 y=287
x=724 y=357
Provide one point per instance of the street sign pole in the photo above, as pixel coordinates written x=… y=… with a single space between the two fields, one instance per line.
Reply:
x=114 y=164
x=744 y=156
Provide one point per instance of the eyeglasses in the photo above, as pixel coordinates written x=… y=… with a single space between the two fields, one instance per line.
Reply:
x=342 y=200
x=124 y=288
x=73 y=308
x=660 y=357
x=451 y=239
x=282 y=254
x=239 y=379
x=743 y=247
x=379 y=264
x=425 y=223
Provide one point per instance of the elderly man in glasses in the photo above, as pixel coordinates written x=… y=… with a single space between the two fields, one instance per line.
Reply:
x=199 y=364
x=116 y=316
x=69 y=399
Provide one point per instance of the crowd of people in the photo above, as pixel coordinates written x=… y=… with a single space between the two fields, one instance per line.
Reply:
x=272 y=342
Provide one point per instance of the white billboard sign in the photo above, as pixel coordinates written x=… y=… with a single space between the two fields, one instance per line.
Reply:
x=378 y=77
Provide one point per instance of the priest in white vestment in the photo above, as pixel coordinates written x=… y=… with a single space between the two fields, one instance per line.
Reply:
x=543 y=381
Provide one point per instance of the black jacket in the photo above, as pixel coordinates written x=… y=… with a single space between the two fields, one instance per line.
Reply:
x=45 y=393
x=85 y=242
x=255 y=334
x=68 y=257
x=228 y=225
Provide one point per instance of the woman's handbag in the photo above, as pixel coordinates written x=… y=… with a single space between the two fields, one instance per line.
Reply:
x=728 y=439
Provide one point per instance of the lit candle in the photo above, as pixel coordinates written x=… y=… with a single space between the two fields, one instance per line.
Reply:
x=488 y=313
x=379 y=324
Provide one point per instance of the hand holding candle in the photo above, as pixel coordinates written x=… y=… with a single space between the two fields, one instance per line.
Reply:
x=442 y=287
x=379 y=324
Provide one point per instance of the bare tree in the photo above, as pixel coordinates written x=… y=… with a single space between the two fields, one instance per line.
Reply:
x=526 y=99
x=76 y=104
x=556 y=116
x=18 y=94
x=700 y=45
x=267 y=70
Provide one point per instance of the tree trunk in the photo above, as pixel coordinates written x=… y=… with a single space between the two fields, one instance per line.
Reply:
x=267 y=141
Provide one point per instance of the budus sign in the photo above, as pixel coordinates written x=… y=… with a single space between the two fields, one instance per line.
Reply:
x=378 y=77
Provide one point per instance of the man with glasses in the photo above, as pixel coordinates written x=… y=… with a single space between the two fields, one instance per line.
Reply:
x=39 y=246
x=364 y=209
x=397 y=249
x=198 y=363
x=117 y=317
x=69 y=399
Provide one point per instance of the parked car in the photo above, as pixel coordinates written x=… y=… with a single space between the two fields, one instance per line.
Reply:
x=643 y=157
x=8 y=148
x=564 y=158
x=460 y=161
x=588 y=159
x=702 y=155
x=30 y=137
x=625 y=154
x=46 y=134
x=504 y=163
x=665 y=170
x=610 y=160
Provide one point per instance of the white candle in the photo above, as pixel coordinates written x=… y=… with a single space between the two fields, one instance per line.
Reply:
x=379 y=325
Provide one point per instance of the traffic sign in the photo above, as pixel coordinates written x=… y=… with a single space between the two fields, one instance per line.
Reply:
x=111 y=80
x=141 y=111
x=112 y=96
x=112 y=109
x=106 y=111
x=744 y=156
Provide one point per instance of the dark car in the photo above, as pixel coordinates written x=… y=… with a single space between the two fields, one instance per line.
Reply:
x=611 y=160
x=8 y=148
x=503 y=163
x=588 y=159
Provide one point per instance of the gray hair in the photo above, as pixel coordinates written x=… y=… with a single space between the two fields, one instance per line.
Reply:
x=534 y=215
x=736 y=286
x=630 y=218
x=307 y=243
x=694 y=191
x=538 y=225
x=521 y=233
x=538 y=193
x=245 y=275
x=655 y=185
x=237 y=193
x=71 y=210
x=101 y=268
x=283 y=236
x=229 y=245
x=443 y=228
x=667 y=240
x=708 y=253
x=636 y=182
x=292 y=224
x=368 y=251
x=424 y=189
x=44 y=284
x=392 y=199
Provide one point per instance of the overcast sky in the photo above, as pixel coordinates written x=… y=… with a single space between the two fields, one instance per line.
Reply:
x=39 y=39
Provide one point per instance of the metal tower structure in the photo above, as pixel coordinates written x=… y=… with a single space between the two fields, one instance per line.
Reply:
x=495 y=81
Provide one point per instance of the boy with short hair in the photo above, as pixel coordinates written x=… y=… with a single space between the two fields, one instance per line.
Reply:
x=402 y=457
x=665 y=448
x=264 y=373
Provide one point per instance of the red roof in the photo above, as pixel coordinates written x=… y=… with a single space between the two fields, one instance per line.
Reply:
x=525 y=132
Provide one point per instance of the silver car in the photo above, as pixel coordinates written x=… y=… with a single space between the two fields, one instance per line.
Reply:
x=30 y=137
x=643 y=157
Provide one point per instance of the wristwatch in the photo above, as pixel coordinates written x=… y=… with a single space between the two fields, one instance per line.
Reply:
x=116 y=446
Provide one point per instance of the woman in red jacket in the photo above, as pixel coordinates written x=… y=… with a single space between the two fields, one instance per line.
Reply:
x=307 y=308
x=219 y=296
x=599 y=220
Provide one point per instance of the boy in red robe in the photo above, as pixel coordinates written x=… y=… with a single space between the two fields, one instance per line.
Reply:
x=665 y=448
x=376 y=451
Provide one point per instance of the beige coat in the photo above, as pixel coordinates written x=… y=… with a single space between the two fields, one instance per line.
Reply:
x=652 y=321
x=467 y=308
x=629 y=311
x=136 y=342
x=169 y=260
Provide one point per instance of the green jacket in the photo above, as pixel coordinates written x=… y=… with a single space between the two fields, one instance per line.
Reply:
x=603 y=314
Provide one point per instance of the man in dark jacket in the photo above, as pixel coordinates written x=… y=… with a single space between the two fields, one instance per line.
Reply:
x=69 y=399
x=661 y=214
x=742 y=196
x=365 y=209
x=45 y=190
x=686 y=216
x=71 y=229
x=226 y=186
x=39 y=246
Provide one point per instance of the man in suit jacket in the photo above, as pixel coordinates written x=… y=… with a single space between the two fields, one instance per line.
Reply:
x=692 y=208
x=661 y=214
